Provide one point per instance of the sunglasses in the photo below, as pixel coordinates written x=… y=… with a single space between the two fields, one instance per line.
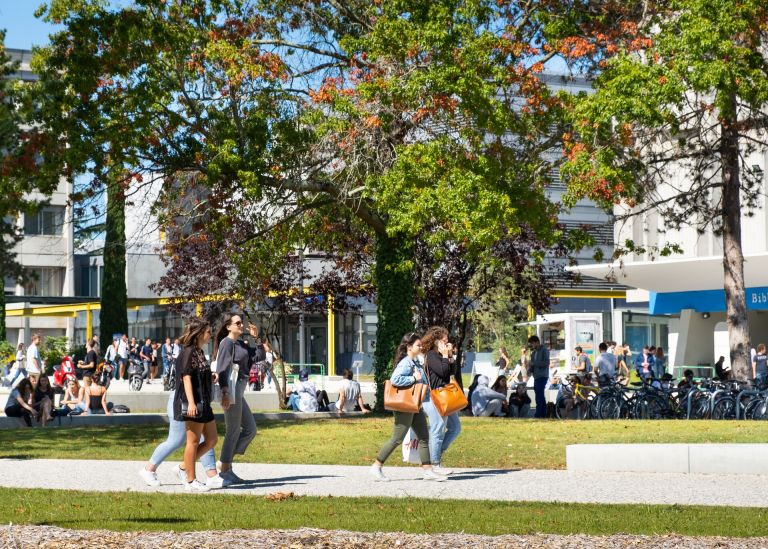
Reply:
x=238 y=323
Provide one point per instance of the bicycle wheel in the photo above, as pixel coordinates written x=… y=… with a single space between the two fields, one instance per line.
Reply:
x=699 y=406
x=724 y=408
x=760 y=408
x=650 y=407
x=610 y=407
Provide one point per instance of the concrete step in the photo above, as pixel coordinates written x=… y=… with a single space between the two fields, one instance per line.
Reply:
x=740 y=459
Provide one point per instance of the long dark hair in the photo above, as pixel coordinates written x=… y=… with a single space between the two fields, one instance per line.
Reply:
x=195 y=327
x=222 y=332
x=408 y=339
x=25 y=388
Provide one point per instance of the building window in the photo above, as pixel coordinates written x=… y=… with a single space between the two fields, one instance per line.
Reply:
x=9 y=286
x=46 y=221
x=89 y=284
x=45 y=281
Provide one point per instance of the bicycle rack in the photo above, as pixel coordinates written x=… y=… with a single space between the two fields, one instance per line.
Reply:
x=712 y=400
x=738 y=400
x=691 y=391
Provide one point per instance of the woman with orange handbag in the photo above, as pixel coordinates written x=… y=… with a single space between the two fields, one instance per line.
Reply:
x=407 y=371
x=443 y=430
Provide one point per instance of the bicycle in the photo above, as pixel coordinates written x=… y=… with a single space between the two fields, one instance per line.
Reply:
x=578 y=397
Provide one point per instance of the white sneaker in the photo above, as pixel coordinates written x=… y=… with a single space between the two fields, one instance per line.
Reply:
x=150 y=477
x=215 y=482
x=429 y=474
x=378 y=474
x=195 y=486
x=442 y=471
x=181 y=473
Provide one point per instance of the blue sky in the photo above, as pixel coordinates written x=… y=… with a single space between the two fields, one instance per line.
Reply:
x=23 y=30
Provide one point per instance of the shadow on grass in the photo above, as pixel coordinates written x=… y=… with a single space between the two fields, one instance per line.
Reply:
x=17 y=456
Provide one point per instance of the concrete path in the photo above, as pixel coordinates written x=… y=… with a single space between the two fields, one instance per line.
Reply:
x=476 y=484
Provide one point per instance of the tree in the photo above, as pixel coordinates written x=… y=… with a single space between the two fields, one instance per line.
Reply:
x=18 y=143
x=114 y=293
x=684 y=101
x=417 y=120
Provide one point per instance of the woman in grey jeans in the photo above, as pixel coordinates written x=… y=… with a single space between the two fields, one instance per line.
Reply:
x=229 y=351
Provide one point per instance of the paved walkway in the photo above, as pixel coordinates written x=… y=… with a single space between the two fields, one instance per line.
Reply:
x=476 y=484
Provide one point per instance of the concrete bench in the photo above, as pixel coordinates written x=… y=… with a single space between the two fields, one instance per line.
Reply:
x=159 y=419
x=744 y=459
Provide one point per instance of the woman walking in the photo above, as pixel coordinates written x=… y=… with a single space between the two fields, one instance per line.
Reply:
x=233 y=358
x=192 y=401
x=177 y=438
x=442 y=430
x=407 y=371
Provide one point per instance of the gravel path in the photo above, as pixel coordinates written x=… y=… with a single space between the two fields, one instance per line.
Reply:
x=476 y=484
x=49 y=537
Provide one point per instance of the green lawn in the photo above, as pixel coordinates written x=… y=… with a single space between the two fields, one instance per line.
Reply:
x=484 y=442
x=185 y=512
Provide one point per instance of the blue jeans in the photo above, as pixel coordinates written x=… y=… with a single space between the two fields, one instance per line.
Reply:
x=177 y=438
x=442 y=431
x=293 y=402
x=539 y=384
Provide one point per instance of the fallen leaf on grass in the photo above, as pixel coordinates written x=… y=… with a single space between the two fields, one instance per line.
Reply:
x=279 y=496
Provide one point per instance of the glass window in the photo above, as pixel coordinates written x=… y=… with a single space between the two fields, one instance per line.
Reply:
x=45 y=281
x=46 y=221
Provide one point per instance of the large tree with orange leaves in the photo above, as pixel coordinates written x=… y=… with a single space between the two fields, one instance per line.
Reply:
x=407 y=121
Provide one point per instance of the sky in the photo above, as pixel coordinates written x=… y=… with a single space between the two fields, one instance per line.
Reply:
x=23 y=30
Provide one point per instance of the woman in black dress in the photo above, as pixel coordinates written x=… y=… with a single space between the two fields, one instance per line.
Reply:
x=192 y=401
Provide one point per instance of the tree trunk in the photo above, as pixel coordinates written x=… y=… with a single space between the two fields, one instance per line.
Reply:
x=114 y=294
x=3 y=334
x=394 y=302
x=733 y=257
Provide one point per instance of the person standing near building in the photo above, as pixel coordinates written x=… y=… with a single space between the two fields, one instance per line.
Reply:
x=233 y=359
x=166 y=353
x=34 y=362
x=442 y=430
x=145 y=355
x=760 y=366
x=583 y=364
x=605 y=365
x=659 y=363
x=122 y=354
x=644 y=363
x=538 y=367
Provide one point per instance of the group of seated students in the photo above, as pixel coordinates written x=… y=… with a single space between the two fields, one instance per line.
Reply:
x=492 y=401
x=33 y=398
x=305 y=397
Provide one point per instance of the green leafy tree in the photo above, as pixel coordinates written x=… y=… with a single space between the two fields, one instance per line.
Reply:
x=406 y=121
x=683 y=101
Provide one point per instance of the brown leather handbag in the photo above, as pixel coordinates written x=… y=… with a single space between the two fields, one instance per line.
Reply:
x=404 y=399
x=449 y=398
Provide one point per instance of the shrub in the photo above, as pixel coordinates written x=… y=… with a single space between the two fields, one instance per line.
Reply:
x=53 y=349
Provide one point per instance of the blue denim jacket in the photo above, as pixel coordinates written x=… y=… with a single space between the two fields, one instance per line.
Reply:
x=403 y=375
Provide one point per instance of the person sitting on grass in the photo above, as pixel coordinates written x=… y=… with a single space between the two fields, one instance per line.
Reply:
x=42 y=400
x=350 y=396
x=74 y=398
x=304 y=396
x=18 y=404
x=96 y=397
x=487 y=402
x=519 y=402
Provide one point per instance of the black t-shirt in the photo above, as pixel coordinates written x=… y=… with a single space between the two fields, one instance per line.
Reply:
x=92 y=359
x=192 y=363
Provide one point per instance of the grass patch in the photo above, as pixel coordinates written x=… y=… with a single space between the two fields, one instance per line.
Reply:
x=484 y=442
x=182 y=512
